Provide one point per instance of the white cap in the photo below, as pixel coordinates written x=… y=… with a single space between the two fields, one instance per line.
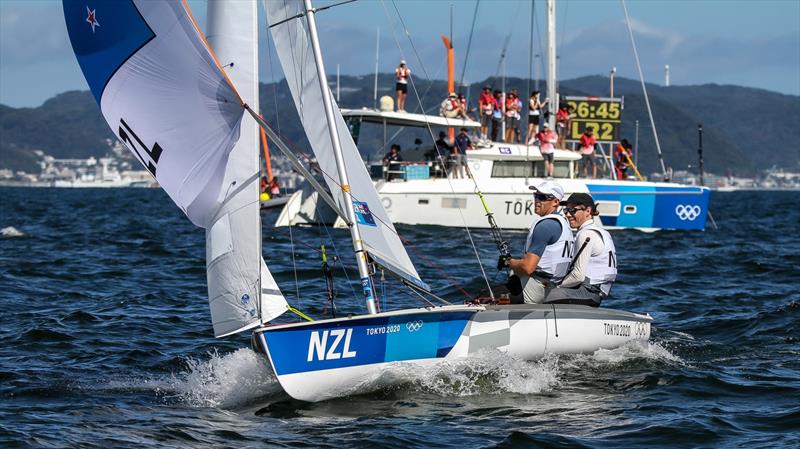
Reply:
x=550 y=188
x=402 y=61
x=546 y=125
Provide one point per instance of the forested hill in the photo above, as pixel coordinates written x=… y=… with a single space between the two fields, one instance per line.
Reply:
x=745 y=129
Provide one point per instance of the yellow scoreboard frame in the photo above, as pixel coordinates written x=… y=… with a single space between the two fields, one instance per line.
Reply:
x=603 y=115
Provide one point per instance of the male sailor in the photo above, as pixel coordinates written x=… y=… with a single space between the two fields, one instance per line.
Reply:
x=594 y=267
x=548 y=249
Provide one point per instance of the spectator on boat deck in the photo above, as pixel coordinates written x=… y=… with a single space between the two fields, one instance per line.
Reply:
x=274 y=188
x=442 y=151
x=586 y=147
x=487 y=105
x=594 y=265
x=402 y=73
x=264 y=184
x=497 y=115
x=451 y=107
x=562 y=125
x=517 y=130
x=462 y=144
x=547 y=145
x=535 y=106
x=622 y=158
x=392 y=162
x=462 y=100
x=512 y=116
x=547 y=249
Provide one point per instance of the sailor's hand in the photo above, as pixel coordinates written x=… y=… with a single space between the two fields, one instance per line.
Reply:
x=502 y=262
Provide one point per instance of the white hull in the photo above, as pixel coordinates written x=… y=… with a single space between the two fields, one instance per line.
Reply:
x=425 y=337
x=623 y=204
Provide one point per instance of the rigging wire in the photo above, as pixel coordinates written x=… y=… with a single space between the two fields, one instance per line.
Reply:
x=561 y=47
x=428 y=126
x=644 y=89
x=335 y=182
x=469 y=43
x=278 y=126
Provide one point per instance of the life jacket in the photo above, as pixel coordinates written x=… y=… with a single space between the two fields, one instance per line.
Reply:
x=587 y=144
x=547 y=140
x=562 y=116
x=556 y=258
x=602 y=268
x=402 y=75
x=487 y=104
x=511 y=103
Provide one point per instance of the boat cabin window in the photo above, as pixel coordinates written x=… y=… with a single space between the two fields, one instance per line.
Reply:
x=513 y=169
x=528 y=169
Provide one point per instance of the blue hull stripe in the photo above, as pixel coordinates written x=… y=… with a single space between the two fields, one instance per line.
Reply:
x=654 y=206
x=364 y=341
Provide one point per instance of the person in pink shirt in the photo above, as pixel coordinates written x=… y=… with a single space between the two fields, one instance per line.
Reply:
x=547 y=144
x=586 y=144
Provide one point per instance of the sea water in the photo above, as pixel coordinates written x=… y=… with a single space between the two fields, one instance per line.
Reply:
x=105 y=339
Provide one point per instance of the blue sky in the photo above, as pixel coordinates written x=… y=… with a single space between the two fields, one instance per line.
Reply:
x=748 y=43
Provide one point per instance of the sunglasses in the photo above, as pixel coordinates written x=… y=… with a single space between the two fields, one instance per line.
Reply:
x=543 y=197
x=572 y=210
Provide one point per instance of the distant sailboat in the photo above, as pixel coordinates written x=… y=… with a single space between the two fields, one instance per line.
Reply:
x=165 y=93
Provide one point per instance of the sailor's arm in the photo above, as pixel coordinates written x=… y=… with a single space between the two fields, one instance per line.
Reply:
x=578 y=273
x=525 y=266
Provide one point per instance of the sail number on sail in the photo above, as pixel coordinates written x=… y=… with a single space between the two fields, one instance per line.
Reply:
x=125 y=133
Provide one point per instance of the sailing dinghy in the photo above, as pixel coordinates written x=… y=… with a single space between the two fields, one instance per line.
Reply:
x=180 y=108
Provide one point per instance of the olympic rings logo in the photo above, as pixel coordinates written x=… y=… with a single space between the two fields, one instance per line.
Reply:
x=641 y=329
x=687 y=212
x=414 y=326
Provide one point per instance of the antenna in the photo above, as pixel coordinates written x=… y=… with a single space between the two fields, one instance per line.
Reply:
x=611 y=76
x=666 y=75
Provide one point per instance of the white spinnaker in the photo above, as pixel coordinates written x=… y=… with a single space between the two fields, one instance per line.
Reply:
x=163 y=93
x=169 y=102
x=297 y=59
x=235 y=297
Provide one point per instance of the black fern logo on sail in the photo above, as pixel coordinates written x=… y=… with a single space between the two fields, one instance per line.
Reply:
x=125 y=133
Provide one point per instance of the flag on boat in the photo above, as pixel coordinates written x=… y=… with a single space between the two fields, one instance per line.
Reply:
x=166 y=96
x=290 y=34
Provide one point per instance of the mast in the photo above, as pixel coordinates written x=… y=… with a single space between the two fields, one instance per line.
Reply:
x=355 y=234
x=551 y=60
x=377 y=60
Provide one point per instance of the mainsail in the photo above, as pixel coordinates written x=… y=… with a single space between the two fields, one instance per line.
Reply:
x=232 y=34
x=163 y=93
x=293 y=46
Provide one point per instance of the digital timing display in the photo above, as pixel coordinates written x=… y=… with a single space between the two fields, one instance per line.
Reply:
x=603 y=115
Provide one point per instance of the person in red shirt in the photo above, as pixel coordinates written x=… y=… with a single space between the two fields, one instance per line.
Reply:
x=586 y=144
x=512 y=115
x=547 y=139
x=486 y=104
x=562 y=125
x=402 y=73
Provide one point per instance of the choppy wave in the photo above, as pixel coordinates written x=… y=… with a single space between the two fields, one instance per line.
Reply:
x=106 y=340
x=11 y=232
